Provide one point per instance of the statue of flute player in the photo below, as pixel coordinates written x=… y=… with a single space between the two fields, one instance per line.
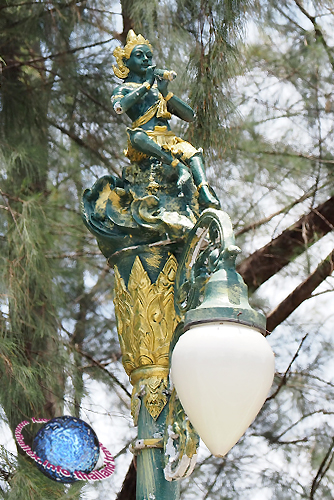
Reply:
x=150 y=107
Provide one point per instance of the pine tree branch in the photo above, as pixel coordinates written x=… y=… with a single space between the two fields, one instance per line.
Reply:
x=270 y=259
x=11 y=197
x=302 y=418
x=301 y=293
x=96 y=101
x=318 y=33
x=310 y=375
x=323 y=469
x=85 y=145
x=295 y=441
x=292 y=21
x=71 y=255
x=89 y=296
x=103 y=368
x=303 y=10
x=6 y=476
x=29 y=62
x=102 y=11
x=311 y=158
x=286 y=209
x=59 y=5
x=219 y=469
x=23 y=4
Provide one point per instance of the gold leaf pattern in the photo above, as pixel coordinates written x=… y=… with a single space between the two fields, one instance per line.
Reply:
x=154 y=392
x=145 y=314
x=146 y=321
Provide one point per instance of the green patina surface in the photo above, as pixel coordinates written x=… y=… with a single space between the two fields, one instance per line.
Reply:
x=151 y=483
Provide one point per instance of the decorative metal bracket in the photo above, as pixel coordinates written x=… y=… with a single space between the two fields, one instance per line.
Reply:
x=207 y=285
x=142 y=444
x=205 y=243
x=181 y=442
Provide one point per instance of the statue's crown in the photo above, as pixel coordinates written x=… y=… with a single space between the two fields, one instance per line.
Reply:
x=132 y=40
x=124 y=53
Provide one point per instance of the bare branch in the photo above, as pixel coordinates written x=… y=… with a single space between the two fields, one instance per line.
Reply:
x=302 y=418
x=53 y=56
x=324 y=466
x=311 y=18
x=71 y=255
x=103 y=368
x=301 y=293
x=283 y=380
x=288 y=154
x=286 y=209
x=318 y=33
x=279 y=252
x=295 y=441
x=85 y=145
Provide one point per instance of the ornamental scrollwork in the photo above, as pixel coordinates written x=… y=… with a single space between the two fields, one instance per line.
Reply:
x=181 y=442
x=210 y=245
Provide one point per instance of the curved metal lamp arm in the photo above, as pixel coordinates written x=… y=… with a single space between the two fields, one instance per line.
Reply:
x=207 y=285
x=208 y=244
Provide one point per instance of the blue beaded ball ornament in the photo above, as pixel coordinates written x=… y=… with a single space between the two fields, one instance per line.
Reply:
x=68 y=442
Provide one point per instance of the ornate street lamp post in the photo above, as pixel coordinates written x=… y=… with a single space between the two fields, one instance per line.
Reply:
x=173 y=255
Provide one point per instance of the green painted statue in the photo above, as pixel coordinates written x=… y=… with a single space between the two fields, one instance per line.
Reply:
x=163 y=190
x=150 y=106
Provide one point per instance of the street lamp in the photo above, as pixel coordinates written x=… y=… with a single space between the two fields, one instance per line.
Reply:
x=222 y=366
x=181 y=298
x=151 y=227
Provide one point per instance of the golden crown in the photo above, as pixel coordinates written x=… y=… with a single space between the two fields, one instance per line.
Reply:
x=124 y=53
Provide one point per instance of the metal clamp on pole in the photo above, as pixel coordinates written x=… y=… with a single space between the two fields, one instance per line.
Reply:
x=142 y=444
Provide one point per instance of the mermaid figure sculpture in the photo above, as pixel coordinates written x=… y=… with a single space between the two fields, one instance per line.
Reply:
x=150 y=107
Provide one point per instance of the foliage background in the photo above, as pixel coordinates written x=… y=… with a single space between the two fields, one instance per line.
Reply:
x=259 y=76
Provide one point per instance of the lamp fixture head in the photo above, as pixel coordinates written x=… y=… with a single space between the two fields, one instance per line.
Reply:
x=222 y=366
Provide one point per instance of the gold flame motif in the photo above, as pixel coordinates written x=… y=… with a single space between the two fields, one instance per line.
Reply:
x=146 y=321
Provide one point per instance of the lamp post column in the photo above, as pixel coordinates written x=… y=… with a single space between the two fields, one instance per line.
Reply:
x=201 y=272
x=151 y=482
x=146 y=321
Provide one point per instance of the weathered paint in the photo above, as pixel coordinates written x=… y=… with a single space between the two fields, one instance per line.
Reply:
x=151 y=483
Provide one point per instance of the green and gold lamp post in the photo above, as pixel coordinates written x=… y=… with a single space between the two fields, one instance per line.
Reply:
x=179 y=301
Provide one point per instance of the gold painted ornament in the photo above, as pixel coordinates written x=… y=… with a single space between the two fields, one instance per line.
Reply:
x=146 y=321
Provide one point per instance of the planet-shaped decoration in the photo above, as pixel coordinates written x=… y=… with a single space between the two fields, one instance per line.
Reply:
x=67 y=442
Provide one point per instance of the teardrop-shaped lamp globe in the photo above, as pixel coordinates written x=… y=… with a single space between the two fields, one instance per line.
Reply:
x=222 y=373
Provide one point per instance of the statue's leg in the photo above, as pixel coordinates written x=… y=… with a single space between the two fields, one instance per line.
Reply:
x=207 y=196
x=143 y=143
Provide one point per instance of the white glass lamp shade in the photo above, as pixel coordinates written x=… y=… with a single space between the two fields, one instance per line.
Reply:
x=222 y=373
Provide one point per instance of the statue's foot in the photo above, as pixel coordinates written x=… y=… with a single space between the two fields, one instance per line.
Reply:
x=207 y=198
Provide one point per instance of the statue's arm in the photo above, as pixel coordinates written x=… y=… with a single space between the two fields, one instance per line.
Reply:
x=175 y=105
x=123 y=98
x=181 y=109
